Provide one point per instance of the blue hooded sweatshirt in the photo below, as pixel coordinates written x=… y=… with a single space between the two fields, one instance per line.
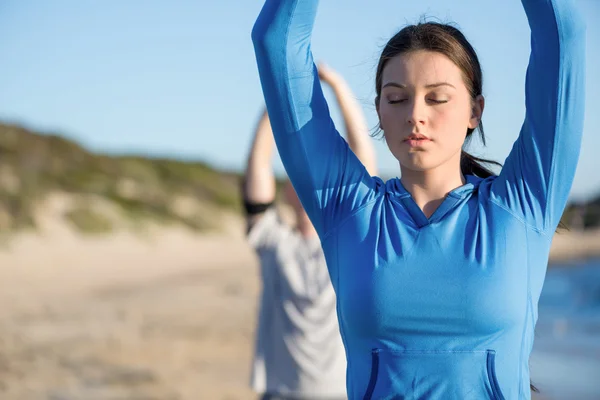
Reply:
x=439 y=307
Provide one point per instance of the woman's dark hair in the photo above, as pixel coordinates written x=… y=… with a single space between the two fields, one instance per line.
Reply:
x=449 y=41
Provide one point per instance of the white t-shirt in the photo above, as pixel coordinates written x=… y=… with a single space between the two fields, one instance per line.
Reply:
x=299 y=349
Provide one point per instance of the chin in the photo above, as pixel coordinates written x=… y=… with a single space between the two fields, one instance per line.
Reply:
x=418 y=163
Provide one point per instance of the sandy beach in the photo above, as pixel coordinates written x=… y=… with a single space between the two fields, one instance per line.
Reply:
x=167 y=316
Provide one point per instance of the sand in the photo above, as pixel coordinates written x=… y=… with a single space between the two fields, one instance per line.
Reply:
x=572 y=246
x=125 y=318
x=169 y=316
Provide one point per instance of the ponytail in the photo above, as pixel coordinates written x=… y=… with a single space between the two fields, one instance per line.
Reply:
x=471 y=165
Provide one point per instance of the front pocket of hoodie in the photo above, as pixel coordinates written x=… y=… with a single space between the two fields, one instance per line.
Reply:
x=433 y=375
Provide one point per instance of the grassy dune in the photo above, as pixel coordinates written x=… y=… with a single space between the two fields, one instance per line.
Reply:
x=106 y=191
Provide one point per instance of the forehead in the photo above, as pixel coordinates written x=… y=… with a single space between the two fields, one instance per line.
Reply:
x=421 y=68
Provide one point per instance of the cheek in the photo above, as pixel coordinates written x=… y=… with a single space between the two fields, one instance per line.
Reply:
x=390 y=117
x=450 y=124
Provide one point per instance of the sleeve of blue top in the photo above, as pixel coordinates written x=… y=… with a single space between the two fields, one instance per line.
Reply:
x=328 y=177
x=537 y=175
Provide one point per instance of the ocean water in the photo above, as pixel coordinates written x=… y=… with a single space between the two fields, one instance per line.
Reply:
x=565 y=362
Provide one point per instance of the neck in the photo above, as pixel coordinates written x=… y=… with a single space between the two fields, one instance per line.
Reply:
x=429 y=188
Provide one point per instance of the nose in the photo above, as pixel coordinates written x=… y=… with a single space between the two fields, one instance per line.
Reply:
x=416 y=113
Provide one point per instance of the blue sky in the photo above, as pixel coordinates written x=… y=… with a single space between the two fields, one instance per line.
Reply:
x=179 y=78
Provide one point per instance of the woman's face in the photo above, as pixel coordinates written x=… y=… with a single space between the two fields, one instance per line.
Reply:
x=425 y=109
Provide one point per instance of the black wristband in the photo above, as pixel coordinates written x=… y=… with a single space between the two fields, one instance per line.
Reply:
x=256 y=208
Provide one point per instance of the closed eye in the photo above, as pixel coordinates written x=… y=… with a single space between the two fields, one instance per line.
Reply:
x=438 y=101
x=396 y=101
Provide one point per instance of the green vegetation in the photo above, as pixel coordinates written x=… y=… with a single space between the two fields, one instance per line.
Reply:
x=89 y=221
x=144 y=189
x=583 y=215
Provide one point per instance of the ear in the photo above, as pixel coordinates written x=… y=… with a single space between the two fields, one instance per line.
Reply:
x=477 y=112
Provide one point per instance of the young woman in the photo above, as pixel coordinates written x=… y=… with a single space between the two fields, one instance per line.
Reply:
x=299 y=352
x=437 y=274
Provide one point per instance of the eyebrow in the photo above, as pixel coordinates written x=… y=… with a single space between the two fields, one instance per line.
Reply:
x=431 y=85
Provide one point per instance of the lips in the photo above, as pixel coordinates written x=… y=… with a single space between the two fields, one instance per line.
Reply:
x=416 y=136
x=416 y=140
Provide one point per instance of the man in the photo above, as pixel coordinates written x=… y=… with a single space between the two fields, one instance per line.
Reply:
x=299 y=352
